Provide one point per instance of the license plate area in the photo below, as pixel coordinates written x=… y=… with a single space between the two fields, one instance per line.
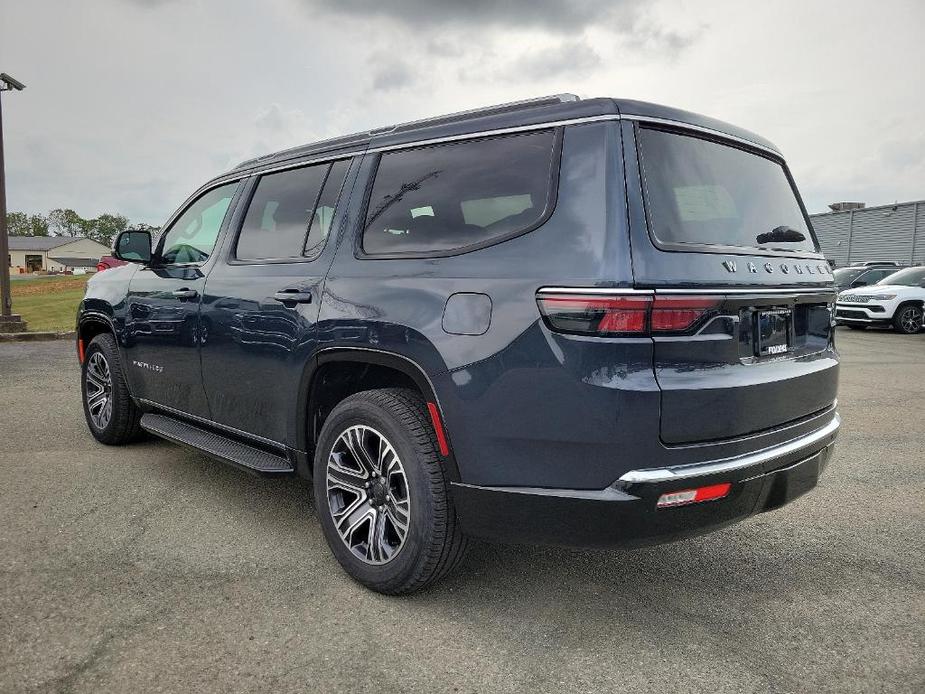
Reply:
x=773 y=332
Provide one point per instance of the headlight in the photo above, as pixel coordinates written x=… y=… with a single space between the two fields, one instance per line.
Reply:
x=882 y=297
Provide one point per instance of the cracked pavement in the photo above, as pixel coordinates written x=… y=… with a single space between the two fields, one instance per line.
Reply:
x=154 y=568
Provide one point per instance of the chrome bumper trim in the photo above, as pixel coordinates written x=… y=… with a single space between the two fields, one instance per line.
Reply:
x=680 y=472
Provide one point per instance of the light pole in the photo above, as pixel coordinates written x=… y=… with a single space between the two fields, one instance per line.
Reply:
x=8 y=322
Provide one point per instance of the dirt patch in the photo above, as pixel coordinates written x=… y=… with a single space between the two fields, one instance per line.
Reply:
x=52 y=285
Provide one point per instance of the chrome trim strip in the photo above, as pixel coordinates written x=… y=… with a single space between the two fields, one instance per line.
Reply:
x=320 y=159
x=783 y=290
x=592 y=290
x=692 y=290
x=500 y=131
x=702 y=129
x=215 y=425
x=680 y=472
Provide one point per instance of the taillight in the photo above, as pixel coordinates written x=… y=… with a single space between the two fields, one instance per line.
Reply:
x=678 y=313
x=594 y=315
x=628 y=314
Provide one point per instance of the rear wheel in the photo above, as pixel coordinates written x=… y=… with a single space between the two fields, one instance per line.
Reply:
x=908 y=319
x=382 y=494
x=112 y=416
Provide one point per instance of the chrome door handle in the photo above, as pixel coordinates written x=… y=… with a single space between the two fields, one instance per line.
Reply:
x=291 y=297
x=185 y=293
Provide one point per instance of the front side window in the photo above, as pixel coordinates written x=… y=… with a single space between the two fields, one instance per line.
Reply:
x=447 y=198
x=703 y=193
x=192 y=236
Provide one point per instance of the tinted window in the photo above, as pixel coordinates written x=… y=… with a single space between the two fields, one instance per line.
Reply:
x=701 y=192
x=192 y=236
x=279 y=214
x=324 y=210
x=450 y=197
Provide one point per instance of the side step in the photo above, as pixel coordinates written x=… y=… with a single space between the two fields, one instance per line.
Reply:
x=216 y=445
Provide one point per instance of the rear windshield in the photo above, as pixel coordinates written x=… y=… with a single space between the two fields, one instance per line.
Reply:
x=701 y=192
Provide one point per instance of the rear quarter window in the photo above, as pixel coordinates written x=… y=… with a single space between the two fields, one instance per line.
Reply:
x=450 y=198
x=702 y=193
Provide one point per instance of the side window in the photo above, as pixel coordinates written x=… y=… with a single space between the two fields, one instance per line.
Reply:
x=451 y=197
x=279 y=214
x=192 y=236
x=324 y=210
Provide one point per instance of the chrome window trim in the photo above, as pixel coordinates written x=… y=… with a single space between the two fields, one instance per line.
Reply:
x=492 y=133
x=702 y=129
x=681 y=472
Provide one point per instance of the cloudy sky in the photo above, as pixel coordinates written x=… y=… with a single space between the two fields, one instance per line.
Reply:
x=131 y=104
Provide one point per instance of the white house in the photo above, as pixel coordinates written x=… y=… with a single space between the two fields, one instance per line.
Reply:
x=53 y=253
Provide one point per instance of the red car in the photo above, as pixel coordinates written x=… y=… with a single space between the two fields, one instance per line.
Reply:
x=108 y=261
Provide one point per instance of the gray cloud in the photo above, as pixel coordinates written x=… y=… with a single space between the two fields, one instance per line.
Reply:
x=567 y=59
x=558 y=16
x=391 y=74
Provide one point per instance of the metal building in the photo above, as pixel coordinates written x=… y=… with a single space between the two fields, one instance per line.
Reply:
x=852 y=233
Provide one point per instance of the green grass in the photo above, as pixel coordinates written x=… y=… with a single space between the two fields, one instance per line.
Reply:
x=48 y=304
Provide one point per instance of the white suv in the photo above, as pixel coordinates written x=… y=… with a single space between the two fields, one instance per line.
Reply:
x=896 y=300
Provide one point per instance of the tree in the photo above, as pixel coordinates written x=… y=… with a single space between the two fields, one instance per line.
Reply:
x=22 y=224
x=104 y=228
x=66 y=222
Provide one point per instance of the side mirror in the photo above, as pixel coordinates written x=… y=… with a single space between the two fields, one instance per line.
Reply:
x=133 y=246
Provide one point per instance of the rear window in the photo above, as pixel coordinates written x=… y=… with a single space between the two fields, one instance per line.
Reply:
x=448 y=198
x=703 y=193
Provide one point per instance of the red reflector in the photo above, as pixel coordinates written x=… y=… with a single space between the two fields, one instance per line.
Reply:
x=694 y=496
x=671 y=313
x=438 y=429
x=80 y=350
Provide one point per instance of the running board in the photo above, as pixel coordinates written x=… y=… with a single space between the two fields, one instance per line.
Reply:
x=216 y=445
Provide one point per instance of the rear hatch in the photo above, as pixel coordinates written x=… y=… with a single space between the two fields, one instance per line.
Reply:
x=743 y=339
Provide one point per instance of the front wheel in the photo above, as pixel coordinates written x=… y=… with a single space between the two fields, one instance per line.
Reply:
x=382 y=493
x=112 y=416
x=908 y=319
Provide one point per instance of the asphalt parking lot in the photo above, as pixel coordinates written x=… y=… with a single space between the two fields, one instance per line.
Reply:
x=152 y=568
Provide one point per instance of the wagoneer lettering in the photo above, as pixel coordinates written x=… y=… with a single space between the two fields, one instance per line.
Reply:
x=536 y=322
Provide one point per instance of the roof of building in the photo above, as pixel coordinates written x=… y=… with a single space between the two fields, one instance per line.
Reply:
x=549 y=109
x=75 y=262
x=38 y=243
x=868 y=209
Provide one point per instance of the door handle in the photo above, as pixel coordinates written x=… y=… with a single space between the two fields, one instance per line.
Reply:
x=185 y=293
x=291 y=297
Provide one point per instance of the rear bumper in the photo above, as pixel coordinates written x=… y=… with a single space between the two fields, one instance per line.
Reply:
x=625 y=514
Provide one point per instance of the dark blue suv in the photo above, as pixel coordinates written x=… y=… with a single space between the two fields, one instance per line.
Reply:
x=591 y=322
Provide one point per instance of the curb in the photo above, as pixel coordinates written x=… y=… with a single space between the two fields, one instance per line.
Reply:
x=37 y=336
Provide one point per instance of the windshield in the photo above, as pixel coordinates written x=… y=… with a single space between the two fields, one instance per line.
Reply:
x=910 y=277
x=700 y=192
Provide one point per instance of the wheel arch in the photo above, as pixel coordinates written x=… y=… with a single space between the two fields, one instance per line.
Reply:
x=370 y=367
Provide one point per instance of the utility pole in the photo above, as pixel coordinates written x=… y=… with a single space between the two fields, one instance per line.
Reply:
x=9 y=322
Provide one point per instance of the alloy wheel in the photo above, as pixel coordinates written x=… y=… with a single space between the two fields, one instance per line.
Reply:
x=368 y=494
x=99 y=390
x=911 y=319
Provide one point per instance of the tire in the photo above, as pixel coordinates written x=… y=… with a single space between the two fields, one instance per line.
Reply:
x=908 y=319
x=112 y=416
x=432 y=543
